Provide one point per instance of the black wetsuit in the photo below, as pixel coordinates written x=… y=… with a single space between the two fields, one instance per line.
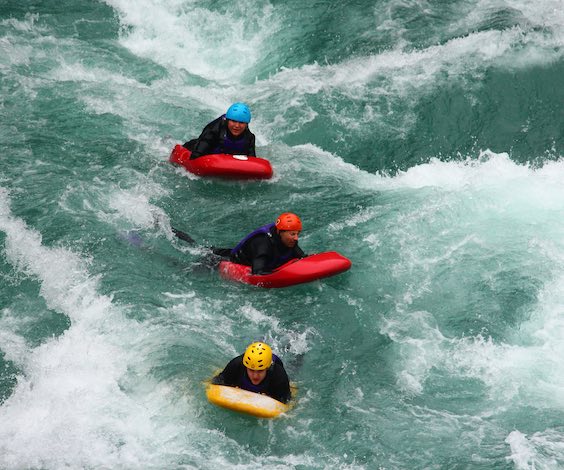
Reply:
x=264 y=252
x=275 y=384
x=216 y=138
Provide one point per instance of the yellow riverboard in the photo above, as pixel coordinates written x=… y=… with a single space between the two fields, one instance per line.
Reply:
x=243 y=401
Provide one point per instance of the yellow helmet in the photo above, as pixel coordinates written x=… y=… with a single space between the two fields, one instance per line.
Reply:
x=258 y=356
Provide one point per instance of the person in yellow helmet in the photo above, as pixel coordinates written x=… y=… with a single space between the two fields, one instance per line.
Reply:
x=269 y=246
x=257 y=370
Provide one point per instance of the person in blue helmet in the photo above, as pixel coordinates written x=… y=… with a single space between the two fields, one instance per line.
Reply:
x=229 y=133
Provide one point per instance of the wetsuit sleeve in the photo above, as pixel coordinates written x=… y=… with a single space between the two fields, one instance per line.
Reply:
x=231 y=374
x=252 y=152
x=208 y=140
x=299 y=252
x=261 y=249
x=279 y=385
x=223 y=252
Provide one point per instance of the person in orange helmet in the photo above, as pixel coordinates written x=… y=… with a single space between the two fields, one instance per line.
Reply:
x=269 y=246
x=257 y=370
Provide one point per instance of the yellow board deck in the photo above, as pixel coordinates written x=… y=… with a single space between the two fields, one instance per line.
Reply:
x=243 y=401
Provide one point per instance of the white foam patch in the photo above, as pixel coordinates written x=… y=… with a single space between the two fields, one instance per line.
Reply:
x=13 y=54
x=377 y=80
x=498 y=209
x=78 y=72
x=487 y=170
x=546 y=13
x=135 y=208
x=103 y=89
x=491 y=188
x=541 y=450
x=485 y=183
x=69 y=406
x=312 y=158
x=193 y=314
x=530 y=373
x=279 y=338
x=124 y=209
x=363 y=216
x=258 y=317
x=420 y=343
x=110 y=92
x=221 y=45
x=174 y=35
x=298 y=164
x=12 y=345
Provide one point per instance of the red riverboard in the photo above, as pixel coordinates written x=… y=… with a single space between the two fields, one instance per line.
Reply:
x=296 y=271
x=222 y=165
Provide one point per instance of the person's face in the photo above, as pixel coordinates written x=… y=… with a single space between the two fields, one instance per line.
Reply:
x=235 y=127
x=289 y=237
x=256 y=376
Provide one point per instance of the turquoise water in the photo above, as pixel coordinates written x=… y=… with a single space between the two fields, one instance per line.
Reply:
x=422 y=140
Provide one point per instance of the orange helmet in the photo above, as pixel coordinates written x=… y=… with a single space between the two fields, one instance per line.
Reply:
x=288 y=221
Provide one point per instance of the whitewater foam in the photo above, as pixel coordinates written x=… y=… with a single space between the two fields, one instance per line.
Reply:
x=69 y=404
x=199 y=40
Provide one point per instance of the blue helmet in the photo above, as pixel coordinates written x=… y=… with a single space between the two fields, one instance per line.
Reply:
x=239 y=112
